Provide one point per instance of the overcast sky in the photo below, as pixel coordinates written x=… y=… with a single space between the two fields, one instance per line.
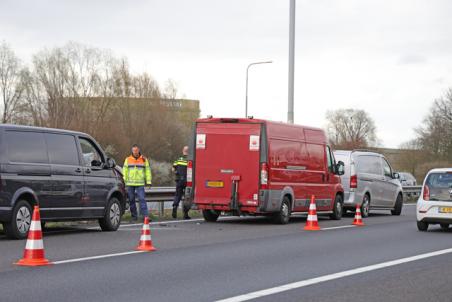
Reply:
x=390 y=58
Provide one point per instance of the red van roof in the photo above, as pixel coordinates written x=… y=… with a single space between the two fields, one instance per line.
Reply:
x=278 y=129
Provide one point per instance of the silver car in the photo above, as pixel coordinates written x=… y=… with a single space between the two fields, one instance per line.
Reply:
x=369 y=181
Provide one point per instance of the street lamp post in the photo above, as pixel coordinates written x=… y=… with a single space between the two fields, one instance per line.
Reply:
x=246 y=93
x=290 y=111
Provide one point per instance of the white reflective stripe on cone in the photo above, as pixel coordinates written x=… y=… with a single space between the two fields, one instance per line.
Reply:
x=146 y=227
x=145 y=238
x=312 y=206
x=35 y=225
x=34 y=244
x=312 y=218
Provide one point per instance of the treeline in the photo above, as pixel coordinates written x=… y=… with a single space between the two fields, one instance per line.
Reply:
x=87 y=89
x=431 y=148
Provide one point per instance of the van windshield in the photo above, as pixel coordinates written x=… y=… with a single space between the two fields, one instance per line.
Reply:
x=440 y=185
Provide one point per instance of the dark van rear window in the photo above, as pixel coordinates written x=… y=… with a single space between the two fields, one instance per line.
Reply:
x=26 y=147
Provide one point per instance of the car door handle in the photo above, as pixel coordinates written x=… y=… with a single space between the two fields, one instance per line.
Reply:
x=78 y=170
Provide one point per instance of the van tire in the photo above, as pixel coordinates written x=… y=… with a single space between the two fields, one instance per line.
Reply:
x=422 y=226
x=210 y=215
x=21 y=209
x=365 y=206
x=283 y=216
x=112 y=218
x=337 y=208
x=398 y=206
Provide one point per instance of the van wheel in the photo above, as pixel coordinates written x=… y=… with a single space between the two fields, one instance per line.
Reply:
x=337 y=209
x=283 y=216
x=20 y=222
x=112 y=218
x=398 y=206
x=365 y=206
x=210 y=215
x=422 y=226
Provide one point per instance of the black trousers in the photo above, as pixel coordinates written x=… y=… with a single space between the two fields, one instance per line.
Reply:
x=180 y=190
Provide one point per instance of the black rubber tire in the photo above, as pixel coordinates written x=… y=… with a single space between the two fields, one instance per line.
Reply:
x=283 y=216
x=365 y=206
x=112 y=218
x=210 y=215
x=444 y=226
x=422 y=226
x=398 y=206
x=337 y=208
x=11 y=229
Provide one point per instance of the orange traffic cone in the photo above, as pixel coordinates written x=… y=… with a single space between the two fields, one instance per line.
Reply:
x=145 y=239
x=358 y=221
x=34 y=249
x=312 y=222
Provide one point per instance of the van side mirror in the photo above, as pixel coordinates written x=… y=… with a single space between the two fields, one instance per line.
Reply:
x=96 y=163
x=340 y=168
x=110 y=163
x=396 y=175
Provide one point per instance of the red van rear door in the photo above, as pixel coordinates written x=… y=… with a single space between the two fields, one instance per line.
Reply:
x=225 y=151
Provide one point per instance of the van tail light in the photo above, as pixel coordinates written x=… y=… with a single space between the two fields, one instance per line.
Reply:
x=426 y=195
x=264 y=176
x=353 y=182
x=190 y=173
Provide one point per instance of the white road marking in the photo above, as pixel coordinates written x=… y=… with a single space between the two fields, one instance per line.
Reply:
x=97 y=257
x=339 y=227
x=304 y=283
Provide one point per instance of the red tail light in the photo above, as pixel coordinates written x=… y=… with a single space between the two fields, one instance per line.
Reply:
x=353 y=182
x=190 y=174
x=264 y=176
x=426 y=195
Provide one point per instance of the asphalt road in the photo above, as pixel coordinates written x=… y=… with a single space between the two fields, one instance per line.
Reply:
x=199 y=261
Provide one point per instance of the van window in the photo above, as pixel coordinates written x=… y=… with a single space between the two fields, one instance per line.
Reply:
x=369 y=164
x=316 y=157
x=288 y=153
x=387 y=168
x=89 y=152
x=330 y=159
x=26 y=147
x=62 y=149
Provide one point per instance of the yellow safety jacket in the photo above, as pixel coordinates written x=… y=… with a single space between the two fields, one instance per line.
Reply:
x=136 y=171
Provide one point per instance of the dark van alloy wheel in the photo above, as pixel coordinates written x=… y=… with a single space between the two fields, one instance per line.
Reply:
x=20 y=222
x=112 y=219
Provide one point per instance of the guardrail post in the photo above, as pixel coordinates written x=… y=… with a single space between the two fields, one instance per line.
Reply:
x=161 y=209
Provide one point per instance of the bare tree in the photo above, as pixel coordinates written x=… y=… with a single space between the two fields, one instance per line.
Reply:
x=351 y=129
x=11 y=87
x=436 y=132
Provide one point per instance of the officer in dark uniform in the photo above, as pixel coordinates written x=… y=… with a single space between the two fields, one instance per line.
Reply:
x=180 y=168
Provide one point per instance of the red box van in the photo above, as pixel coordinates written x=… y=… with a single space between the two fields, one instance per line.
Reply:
x=259 y=167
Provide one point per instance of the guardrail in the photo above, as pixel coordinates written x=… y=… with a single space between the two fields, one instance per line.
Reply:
x=160 y=195
x=412 y=191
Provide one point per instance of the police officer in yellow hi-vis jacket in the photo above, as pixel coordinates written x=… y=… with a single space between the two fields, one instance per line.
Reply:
x=137 y=174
